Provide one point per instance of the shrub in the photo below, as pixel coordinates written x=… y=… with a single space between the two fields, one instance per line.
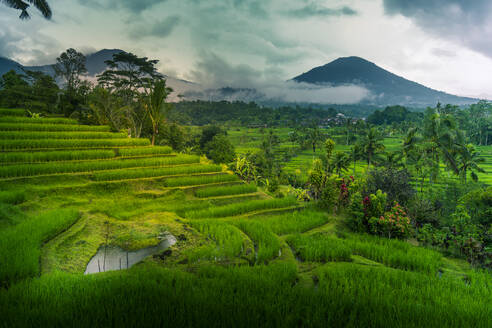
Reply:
x=393 y=224
x=395 y=183
x=220 y=149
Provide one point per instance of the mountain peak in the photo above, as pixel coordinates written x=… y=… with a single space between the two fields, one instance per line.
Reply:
x=384 y=86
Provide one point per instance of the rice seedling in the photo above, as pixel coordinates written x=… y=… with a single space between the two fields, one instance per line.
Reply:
x=215 y=191
x=155 y=172
x=52 y=127
x=227 y=238
x=267 y=244
x=52 y=156
x=70 y=143
x=348 y=295
x=241 y=208
x=378 y=296
x=155 y=150
x=15 y=135
x=294 y=222
x=394 y=253
x=12 y=196
x=12 y=112
x=49 y=120
x=319 y=248
x=199 y=180
x=25 y=170
x=20 y=245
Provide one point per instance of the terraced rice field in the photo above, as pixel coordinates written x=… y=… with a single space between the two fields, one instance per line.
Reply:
x=242 y=258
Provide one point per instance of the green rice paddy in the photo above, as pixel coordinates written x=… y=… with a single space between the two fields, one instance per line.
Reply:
x=242 y=258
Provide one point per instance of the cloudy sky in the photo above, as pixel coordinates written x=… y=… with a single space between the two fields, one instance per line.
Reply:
x=444 y=44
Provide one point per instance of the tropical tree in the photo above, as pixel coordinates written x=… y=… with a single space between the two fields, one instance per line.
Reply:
x=106 y=108
x=23 y=5
x=154 y=103
x=314 y=136
x=245 y=169
x=70 y=66
x=372 y=144
x=391 y=159
x=356 y=154
x=126 y=76
x=441 y=139
x=340 y=162
x=468 y=161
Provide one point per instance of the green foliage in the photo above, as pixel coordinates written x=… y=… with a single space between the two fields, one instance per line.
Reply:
x=392 y=114
x=106 y=108
x=478 y=203
x=394 y=182
x=220 y=150
x=154 y=103
x=393 y=224
x=215 y=191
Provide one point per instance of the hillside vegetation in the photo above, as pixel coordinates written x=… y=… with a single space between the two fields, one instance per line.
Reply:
x=242 y=258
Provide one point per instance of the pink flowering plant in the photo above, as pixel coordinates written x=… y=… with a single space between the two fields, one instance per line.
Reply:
x=393 y=224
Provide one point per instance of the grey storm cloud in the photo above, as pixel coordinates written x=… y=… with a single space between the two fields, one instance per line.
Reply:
x=133 y=6
x=314 y=9
x=213 y=71
x=34 y=46
x=467 y=22
x=161 y=28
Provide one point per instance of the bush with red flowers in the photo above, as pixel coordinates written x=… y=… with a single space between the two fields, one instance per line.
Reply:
x=393 y=224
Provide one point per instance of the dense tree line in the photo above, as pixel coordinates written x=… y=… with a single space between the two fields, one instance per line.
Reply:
x=239 y=113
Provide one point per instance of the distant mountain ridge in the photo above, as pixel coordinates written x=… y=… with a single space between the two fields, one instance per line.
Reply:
x=385 y=87
x=94 y=63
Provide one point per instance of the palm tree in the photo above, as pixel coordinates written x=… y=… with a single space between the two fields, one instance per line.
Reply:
x=468 y=161
x=355 y=154
x=340 y=162
x=391 y=159
x=155 y=104
x=348 y=127
x=372 y=143
x=442 y=138
x=22 y=5
x=314 y=136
